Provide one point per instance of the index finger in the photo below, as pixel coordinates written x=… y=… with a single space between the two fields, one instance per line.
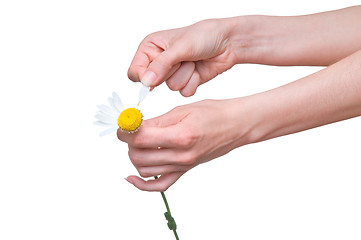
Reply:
x=153 y=137
x=141 y=61
x=138 y=66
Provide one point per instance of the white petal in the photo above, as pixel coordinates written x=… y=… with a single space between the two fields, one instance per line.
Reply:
x=117 y=102
x=111 y=102
x=108 y=131
x=108 y=110
x=102 y=124
x=143 y=93
x=106 y=119
x=115 y=117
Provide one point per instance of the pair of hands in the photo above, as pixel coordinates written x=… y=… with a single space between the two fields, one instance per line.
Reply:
x=179 y=140
x=187 y=57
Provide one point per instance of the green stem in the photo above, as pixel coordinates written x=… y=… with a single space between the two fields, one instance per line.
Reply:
x=165 y=201
x=175 y=234
x=168 y=210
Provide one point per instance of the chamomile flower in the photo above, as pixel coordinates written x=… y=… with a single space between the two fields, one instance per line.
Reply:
x=115 y=115
x=129 y=120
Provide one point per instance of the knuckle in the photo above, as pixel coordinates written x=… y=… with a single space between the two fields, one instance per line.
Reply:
x=138 y=141
x=177 y=108
x=163 y=187
x=149 y=37
x=189 y=159
x=186 y=139
x=162 y=60
x=134 y=158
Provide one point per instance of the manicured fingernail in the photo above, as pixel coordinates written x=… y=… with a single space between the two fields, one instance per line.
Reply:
x=148 y=78
x=129 y=181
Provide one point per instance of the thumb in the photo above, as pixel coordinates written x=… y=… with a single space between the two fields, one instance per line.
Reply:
x=160 y=185
x=162 y=65
x=170 y=118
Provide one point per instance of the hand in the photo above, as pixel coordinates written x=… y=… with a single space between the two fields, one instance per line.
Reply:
x=185 y=57
x=181 y=139
x=192 y=134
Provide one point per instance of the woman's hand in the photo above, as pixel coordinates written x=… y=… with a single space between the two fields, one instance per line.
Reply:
x=192 y=134
x=185 y=57
x=183 y=138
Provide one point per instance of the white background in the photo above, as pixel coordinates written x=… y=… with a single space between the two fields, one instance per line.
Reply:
x=59 y=180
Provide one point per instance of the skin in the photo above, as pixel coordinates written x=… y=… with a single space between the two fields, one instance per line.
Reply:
x=172 y=144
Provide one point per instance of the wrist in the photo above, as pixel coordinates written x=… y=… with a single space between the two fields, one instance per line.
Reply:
x=244 y=120
x=261 y=116
x=272 y=40
x=251 y=39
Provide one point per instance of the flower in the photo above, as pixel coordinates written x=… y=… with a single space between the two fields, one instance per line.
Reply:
x=115 y=116
x=128 y=120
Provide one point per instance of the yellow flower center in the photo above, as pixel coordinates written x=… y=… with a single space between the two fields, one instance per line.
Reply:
x=130 y=119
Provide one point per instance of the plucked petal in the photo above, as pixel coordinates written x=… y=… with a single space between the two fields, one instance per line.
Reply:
x=143 y=93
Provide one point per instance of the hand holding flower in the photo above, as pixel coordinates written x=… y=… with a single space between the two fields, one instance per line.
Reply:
x=181 y=139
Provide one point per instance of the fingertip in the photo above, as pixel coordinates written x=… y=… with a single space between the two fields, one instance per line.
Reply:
x=164 y=65
x=138 y=66
x=192 y=85
x=149 y=78
x=181 y=77
x=188 y=92
x=130 y=179
x=132 y=75
x=139 y=183
x=119 y=133
x=123 y=136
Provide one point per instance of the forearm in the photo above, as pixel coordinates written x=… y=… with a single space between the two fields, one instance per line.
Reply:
x=317 y=39
x=330 y=95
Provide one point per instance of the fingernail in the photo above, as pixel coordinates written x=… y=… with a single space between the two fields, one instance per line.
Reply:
x=129 y=181
x=148 y=78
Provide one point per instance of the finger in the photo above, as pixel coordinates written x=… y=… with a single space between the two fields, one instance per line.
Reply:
x=145 y=157
x=169 y=74
x=170 y=118
x=153 y=137
x=146 y=172
x=160 y=67
x=160 y=185
x=192 y=85
x=150 y=137
x=145 y=54
x=173 y=70
x=181 y=77
x=163 y=131
x=139 y=65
